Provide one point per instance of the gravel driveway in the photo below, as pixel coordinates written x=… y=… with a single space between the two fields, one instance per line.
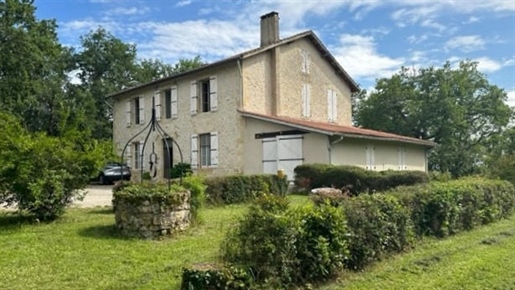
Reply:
x=97 y=195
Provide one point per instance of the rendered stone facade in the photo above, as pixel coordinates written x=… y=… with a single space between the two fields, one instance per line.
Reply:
x=295 y=77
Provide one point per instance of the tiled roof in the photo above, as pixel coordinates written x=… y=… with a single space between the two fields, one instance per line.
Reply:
x=309 y=34
x=338 y=130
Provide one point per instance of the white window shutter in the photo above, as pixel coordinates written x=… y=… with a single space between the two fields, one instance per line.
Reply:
x=308 y=97
x=174 y=102
x=141 y=110
x=329 y=105
x=128 y=155
x=214 y=149
x=213 y=94
x=157 y=99
x=335 y=106
x=194 y=151
x=141 y=156
x=373 y=157
x=304 y=62
x=367 y=157
x=193 y=98
x=128 y=115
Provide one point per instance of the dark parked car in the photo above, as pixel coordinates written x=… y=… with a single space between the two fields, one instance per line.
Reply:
x=111 y=173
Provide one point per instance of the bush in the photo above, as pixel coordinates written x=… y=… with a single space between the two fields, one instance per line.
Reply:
x=181 y=170
x=503 y=168
x=243 y=188
x=42 y=174
x=445 y=208
x=195 y=184
x=285 y=247
x=377 y=225
x=214 y=277
x=355 y=179
x=139 y=192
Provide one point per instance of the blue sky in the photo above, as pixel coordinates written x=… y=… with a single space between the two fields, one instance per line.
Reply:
x=370 y=38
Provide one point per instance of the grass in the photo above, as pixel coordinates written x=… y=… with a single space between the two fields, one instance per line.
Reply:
x=83 y=251
x=480 y=259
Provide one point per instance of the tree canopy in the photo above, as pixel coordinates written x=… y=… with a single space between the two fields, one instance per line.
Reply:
x=456 y=107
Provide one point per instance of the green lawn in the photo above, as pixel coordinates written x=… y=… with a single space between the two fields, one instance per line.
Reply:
x=83 y=251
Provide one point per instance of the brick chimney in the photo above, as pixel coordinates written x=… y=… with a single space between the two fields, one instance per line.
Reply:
x=269 y=28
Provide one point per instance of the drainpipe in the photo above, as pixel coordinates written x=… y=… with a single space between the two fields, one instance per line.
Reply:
x=330 y=145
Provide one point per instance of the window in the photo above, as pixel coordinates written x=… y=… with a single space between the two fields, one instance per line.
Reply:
x=205 y=148
x=139 y=110
x=136 y=110
x=332 y=108
x=168 y=104
x=204 y=95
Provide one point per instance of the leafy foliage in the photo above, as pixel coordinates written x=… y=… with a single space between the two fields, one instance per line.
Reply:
x=242 y=188
x=138 y=193
x=42 y=174
x=181 y=169
x=455 y=107
x=196 y=185
x=354 y=179
x=445 y=208
x=286 y=247
x=378 y=225
x=214 y=277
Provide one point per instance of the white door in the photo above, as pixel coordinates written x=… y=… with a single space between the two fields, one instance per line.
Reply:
x=282 y=153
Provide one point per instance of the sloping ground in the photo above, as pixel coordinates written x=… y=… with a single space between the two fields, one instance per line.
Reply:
x=479 y=259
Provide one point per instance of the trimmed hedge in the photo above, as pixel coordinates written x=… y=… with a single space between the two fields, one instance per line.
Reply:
x=286 y=247
x=445 y=208
x=377 y=225
x=355 y=179
x=215 y=277
x=242 y=188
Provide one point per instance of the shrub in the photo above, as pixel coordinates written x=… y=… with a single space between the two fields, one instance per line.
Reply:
x=445 y=208
x=377 y=225
x=321 y=242
x=42 y=174
x=355 y=179
x=264 y=242
x=214 y=277
x=195 y=184
x=242 y=188
x=285 y=247
x=140 y=192
x=181 y=170
x=503 y=167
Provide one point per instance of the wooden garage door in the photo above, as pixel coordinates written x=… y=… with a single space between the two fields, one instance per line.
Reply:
x=282 y=152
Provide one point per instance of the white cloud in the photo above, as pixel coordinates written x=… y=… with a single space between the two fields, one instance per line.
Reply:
x=357 y=54
x=465 y=43
x=472 y=19
x=125 y=11
x=183 y=3
x=511 y=98
x=211 y=39
x=488 y=65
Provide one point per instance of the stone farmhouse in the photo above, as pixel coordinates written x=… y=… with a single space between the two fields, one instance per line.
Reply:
x=274 y=107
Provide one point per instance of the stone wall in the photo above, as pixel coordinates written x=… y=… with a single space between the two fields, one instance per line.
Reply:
x=151 y=219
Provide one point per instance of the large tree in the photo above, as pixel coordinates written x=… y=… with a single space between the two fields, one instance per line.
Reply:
x=33 y=68
x=455 y=107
